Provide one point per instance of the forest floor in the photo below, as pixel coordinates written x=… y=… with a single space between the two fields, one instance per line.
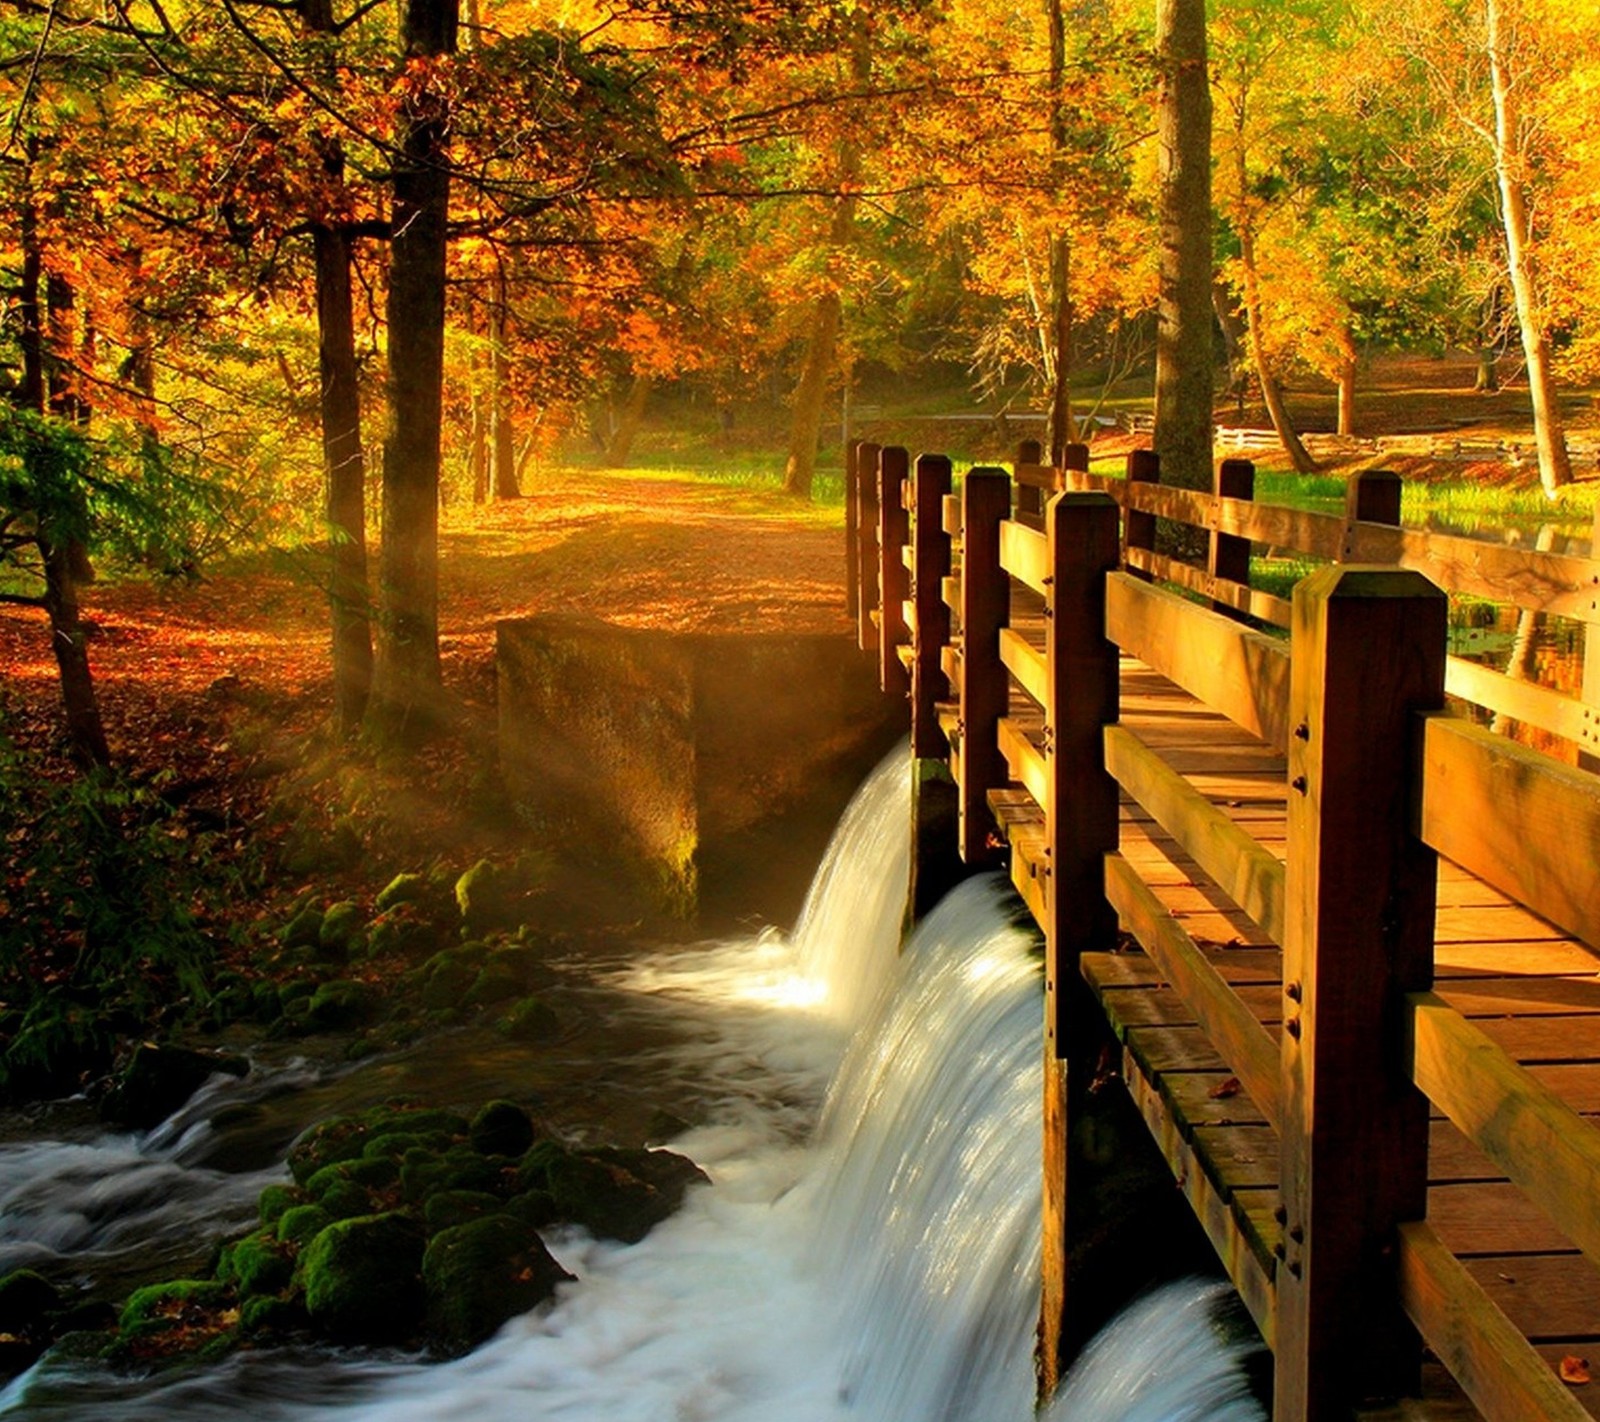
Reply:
x=220 y=690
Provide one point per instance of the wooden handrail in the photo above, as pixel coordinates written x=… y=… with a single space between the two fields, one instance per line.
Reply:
x=1241 y=673
x=1025 y=554
x=1496 y=1366
x=1239 y=1038
x=1546 y=1147
x=1249 y=874
x=1516 y=818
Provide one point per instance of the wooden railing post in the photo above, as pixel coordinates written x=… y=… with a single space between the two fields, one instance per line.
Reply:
x=1139 y=528
x=1074 y=460
x=931 y=556
x=1082 y=688
x=1230 y=555
x=985 y=608
x=1588 y=757
x=1373 y=496
x=852 y=535
x=894 y=577
x=867 y=545
x=1368 y=654
x=1029 y=499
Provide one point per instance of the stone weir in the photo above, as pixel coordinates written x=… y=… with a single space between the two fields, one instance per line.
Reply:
x=680 y=776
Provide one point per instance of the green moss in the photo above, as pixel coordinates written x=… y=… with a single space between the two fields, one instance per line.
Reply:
x=301 y=1224
x=501 y=1128
x=340 y=936
x=340 y=1003
x=448 y=1208
x=363 y=1278
x=159 y=1308
x=403 y=889
x=256 y=1264
x=478 y=1275
x=530 y=1020
x=276 y=1200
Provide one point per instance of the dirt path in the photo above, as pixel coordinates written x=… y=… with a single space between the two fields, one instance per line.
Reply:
x=658 y=552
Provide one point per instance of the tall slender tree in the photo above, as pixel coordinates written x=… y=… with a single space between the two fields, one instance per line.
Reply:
x=407 y=680
x=1184 y=376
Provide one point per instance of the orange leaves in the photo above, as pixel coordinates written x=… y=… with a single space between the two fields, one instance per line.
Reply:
x=1573 y=1370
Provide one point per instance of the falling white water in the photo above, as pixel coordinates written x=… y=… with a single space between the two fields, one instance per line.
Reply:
x=881 y=1270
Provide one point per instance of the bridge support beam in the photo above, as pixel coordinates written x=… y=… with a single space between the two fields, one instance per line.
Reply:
x=1369 y=652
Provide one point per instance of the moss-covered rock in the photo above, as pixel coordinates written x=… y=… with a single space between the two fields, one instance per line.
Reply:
x=341 y=937
x=26 y=1300
x=531 y=1021
x=445 y=1209
x=501 y=1128
x=363 y=1278
x=256 y=1264
x=303 y=930
x=340 y=1003
x=478 y=1275
x=424 y=1173
x=445 y=979
x=403 y=889
x=496 y=982
x=276 y=1200
x=159 y=1079
x=181 y=1304
x=346 y=1137
x=620 y=1194
x=300 y=1224
x=268 y=1314
x=489 y=897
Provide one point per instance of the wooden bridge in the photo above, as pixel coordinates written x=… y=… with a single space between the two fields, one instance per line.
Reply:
x=1343 y=939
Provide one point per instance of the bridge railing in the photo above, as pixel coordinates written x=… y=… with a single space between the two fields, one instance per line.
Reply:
x=1046 y=598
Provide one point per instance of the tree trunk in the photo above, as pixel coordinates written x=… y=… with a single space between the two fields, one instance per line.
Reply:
x=505 y=444
x=64 y=560
x=1347 y=395
x=344 y=468
x=1271 y=392
x=85 y=730
x=811 y=393
x=626 y=429
x=1510 y=164
x=343 y=455
x=406 y=686
x=1184 y=385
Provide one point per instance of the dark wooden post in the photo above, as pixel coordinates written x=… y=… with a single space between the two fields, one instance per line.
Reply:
x=1139 y=529
x=1230 y=555
x=1368 y=654
x=852 y=533
x=894 y=578
x=1589 y=755
x=985 y=608
x=1074 y=458
x=1029 y=499
x=867 y=544
x=1080 y=830
x=1373 y=496
x=931 y=556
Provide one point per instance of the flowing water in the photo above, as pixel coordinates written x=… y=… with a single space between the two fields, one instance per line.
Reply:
x=867 y=1251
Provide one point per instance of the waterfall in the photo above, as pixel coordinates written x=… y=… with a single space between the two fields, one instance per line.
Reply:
x=867 y=1251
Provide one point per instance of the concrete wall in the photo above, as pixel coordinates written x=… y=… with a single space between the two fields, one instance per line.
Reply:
x=685 y=777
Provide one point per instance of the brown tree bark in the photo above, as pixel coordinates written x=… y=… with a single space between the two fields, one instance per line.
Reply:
x=1184 y=377
x=505 y=444
x=62 y=555
x=344 y=466
x=1347 y=395
x=1271 y=391
x=406 y=683
x=620 y=445
x=1511 y=165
